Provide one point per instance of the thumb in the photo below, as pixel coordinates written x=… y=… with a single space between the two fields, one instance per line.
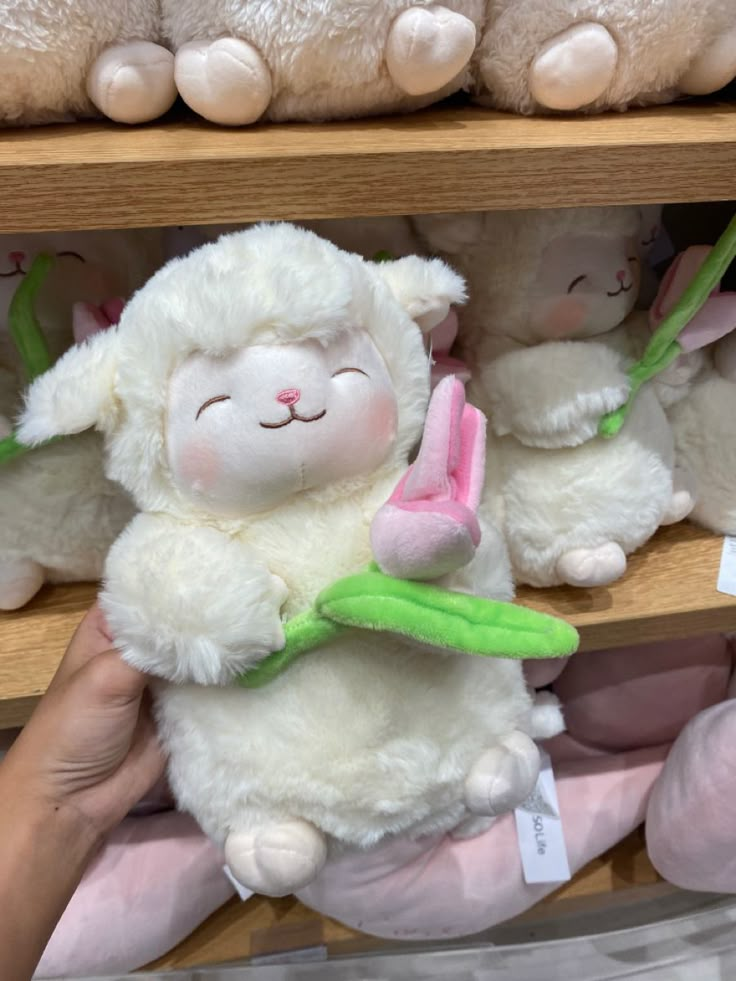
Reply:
x=108 y=680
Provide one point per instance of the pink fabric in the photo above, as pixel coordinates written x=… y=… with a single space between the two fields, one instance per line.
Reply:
x=713 y=321
x=429 y=527
x=87 y=319
x=155 y=881
x=691 y=830
x=439 y=888
x=642 y=695
x=442 y=339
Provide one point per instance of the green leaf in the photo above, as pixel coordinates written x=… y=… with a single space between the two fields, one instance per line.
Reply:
x=25 y=329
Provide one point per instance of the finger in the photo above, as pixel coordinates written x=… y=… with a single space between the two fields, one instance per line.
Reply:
x=108 y=680
x=90 y=639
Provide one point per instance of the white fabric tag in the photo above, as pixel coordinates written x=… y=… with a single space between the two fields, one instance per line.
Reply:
x=727 y=572
x=239 y=889
x=539 y=830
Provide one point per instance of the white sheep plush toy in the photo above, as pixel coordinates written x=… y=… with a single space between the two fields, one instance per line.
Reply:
x=314 y=60
x=539 y=56
x=59 y=513
x=63 y=61
x=548 y=335
x=260 y=399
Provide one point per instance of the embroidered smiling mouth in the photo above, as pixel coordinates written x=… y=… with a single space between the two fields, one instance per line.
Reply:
x=293 y=417
x=20 y=271
x=624 y=289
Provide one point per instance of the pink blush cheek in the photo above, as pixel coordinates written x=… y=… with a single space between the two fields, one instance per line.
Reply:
x=199 y=466
x=564 y=318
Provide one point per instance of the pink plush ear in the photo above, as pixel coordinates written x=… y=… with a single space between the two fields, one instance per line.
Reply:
x=87 y=319
x=429 y=527
x=442 y=337
x=713 y=321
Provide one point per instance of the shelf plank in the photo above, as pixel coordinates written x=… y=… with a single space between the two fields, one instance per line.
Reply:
x=265 y=927
x=669 y=591
x=452 y=158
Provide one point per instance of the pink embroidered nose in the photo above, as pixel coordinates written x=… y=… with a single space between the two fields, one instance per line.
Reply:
x=289 y=396
x=16 y=257
x=621 y=275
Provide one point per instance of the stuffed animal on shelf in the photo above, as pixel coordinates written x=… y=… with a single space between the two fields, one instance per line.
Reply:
x=548 y=335
x=537 y=56
x=58 y=512
x=83 y=58
x=260 y=399
x=308 y=60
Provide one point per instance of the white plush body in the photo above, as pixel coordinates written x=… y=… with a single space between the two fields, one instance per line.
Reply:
x=313 y=59
x=369 y=736
x=49 y=51
x=540 y=335
x=591 y=55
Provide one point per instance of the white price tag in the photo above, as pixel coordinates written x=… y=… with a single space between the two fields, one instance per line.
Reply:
x=239 y=889
x=539 y=829
x=727 y=572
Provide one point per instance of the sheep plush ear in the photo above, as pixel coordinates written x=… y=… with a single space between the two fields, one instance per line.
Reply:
x=452 y=234
x=76 y=394
x=425 y=288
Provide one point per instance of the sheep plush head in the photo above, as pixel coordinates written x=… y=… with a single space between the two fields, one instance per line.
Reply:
x=266 y=364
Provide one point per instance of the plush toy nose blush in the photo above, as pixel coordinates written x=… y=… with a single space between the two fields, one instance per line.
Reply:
x=289 y=396
x=621 y=275
x=16 y=257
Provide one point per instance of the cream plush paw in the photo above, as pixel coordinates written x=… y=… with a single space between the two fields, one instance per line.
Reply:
x=503 y=777
x=427 y=47
x=574 y=68
x=226 y=81
x=133 y=83
x=277 y=859
x=684 y=493
x=592 y=566
x=20 y=580
x=713 y=69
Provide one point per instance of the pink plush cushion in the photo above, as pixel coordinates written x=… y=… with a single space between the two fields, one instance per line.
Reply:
x=643 y=695
x=438 y=888
x=155 y=881
x=691 y=831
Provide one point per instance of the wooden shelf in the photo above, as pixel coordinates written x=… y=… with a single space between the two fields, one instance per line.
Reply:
x=266 y=927
x=669 y=591
x=455 y=158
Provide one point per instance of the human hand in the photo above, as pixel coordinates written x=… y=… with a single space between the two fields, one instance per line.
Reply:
x=90 y=748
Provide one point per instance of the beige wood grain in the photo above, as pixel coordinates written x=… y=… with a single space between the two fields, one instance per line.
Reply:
x=669 y=591
x=454 y=158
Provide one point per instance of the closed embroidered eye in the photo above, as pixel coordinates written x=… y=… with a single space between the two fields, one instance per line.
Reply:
x=634 y=258
x=209 y=402
x=575 y=282
x=72 y=255
x=345 y=371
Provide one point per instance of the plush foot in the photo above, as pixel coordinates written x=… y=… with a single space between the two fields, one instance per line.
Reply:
x=133 y=83
x=427 y=47
x=574 y=68
x=278 y=859
x=471 y=827
x=713 y=69
x=546 y=720
x=684 y=491
x=226 y=81
x=20 y=580
x=503 y=777
x=592 y=566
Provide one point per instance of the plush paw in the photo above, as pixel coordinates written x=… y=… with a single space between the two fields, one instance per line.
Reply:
x=427 y=47
x=20 y=580
x=592 y=566
x=133 y=83
x=713 y=69
x=226 y=81
x=684 y=493
x=574 y=68
x=503 y=777
x=277 y=859
x=471 y=827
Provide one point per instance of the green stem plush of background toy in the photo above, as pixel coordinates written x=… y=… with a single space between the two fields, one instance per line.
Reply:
x=260 y=399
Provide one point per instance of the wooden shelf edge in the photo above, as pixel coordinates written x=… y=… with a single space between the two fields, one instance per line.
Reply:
x=452 y=158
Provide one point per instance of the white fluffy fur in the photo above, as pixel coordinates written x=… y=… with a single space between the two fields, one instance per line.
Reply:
x=369 y=736
x=657 y=41
x=47 y=49
x=556 y=485
x=326 y=58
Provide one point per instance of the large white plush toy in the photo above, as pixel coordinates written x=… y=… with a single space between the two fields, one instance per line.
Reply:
x=317 y=60
x=62 y=61
x=259 y=399
x=548 y=335
x=562 y=55
x=59 y=514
